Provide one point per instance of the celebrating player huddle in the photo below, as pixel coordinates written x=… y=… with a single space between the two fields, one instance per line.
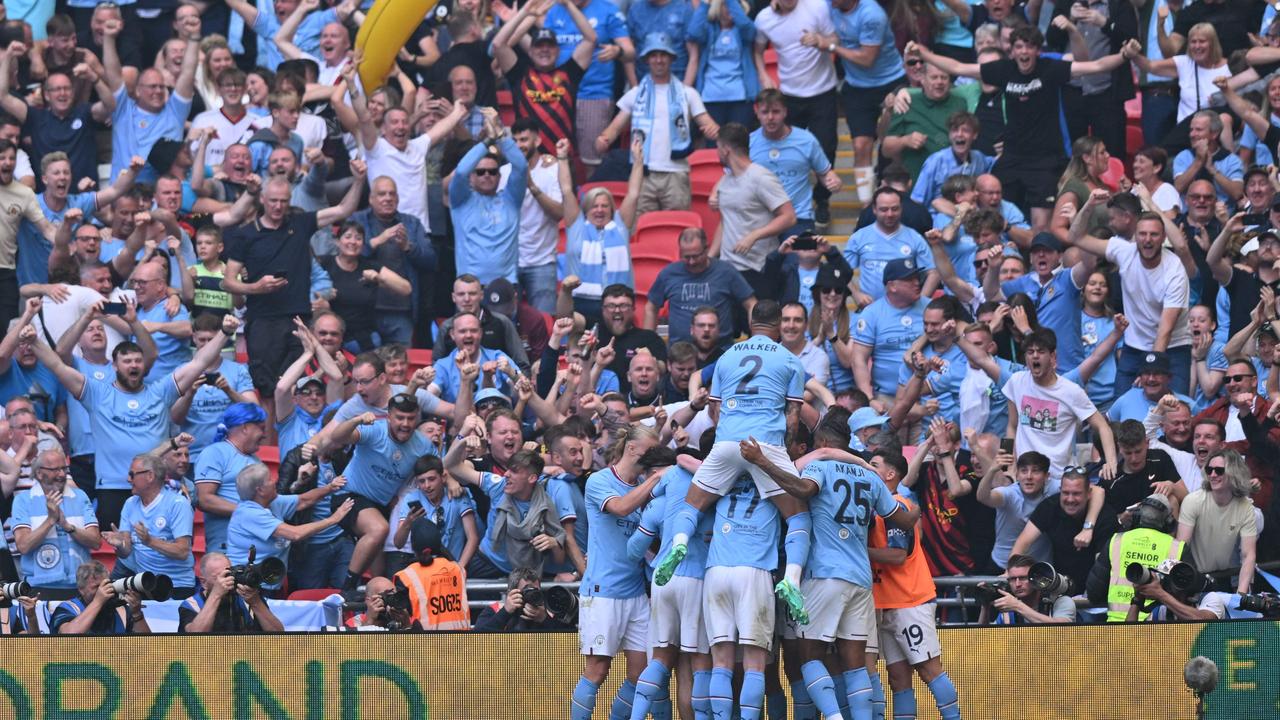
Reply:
x=712 y=578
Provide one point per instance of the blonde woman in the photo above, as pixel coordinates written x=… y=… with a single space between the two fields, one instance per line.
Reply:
x=215 y=57
x=1089 y=161
x=1208 y=515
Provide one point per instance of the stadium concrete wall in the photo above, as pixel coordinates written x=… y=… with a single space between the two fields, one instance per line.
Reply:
x=1088 y=672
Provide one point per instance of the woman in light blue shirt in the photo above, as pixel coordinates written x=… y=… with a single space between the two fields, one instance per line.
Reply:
x=598 y=246
x=727 y=79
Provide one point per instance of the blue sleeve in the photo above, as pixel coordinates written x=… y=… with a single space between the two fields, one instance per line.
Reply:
x=851 y=253
x=872 y=29
x=460 y=185
x=560 y=498
x=1016 y=285
x=209 y=465
x=698 y=27
x=615 y=26
x=795 y=390
x=320 y=280
x=21 y=513
x=746 y=28
x=1231 y=167
x=260 y=523
x=181 y=519
x=518 y=180
x=707 y=374
x=61 y=616
x=608 y=382
x=817 y=158
x=924 y=184
x=285 y=505
x=898 y=538
x=658 y=291
x=240 y=379
x=924 y=256
x=864 y=331
x=1013 y=215
x=643 y=537
x=1181 y=162
x=599 y=492
x=883 y=501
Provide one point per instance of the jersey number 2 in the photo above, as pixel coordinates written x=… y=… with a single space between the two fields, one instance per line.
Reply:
x=744 y=385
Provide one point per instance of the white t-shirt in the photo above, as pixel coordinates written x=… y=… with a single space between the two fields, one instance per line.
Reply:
x=1148 y=292
x=1196 y=84
x=538 y=231
x=802 y=71
x=310 y=128
x=59 y=317
x=1048 y=417
x=1166 y=197
x=659 y=159
x=408 y=168
x=229 y=133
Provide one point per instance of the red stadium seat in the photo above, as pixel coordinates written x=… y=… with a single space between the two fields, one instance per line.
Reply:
x=1133 y=109
x=657 y=233
x=1115 y=171
x=771 y=64
x=646 y=271
x=704 y=166
x=418 y=359
x=1133 y=139
x=506 y=108
x=313 y=594
x=710 y=218
x=270 y=456
x=105 y=554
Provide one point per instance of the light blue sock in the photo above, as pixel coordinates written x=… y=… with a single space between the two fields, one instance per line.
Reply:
x=621 y=709
x=796 y=544
x=686 y=519
x=775 y=704
x=944 y=693
x=802 y=707
x=842 y=693
x=650 y=688
x=751 y=700
x=904 y=704
x=721 y=694
x=858 y=684
x=877 y=696
x=702 y=695
x=584 y=700
x=661 y=708
x=821 y=688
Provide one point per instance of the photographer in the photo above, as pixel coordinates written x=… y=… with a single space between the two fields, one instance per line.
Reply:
x=521 y=610
x=1148 y=543
x=437 y=587
x=382 y=611
x=18 y=616
x=84 y=615
x=245 y=611
x=1212 y=605
x=1022 y=603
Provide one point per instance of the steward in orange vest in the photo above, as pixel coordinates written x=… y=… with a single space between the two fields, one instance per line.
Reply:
x=436 y=584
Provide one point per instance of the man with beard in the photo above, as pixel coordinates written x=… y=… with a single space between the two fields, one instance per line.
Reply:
x=571 y=455
x=617 y=303
x=129 y=417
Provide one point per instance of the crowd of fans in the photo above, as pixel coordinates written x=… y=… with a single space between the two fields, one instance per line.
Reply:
x=216 y=239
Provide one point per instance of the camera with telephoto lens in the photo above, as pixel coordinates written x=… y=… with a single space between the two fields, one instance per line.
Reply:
x=1267 y=604
x=397 y=599
x=1178 y=578
x=990 y=592
x=1048 y=581
x=13 y=590
x=256 y=574
x=562 y=603
x=149 y=585
x=533 y=596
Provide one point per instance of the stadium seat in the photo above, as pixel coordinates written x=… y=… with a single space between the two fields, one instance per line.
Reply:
x=1133 y=139
x=702 y=205
x=105 y=554
x=704 y=166
x=313 y=594
x=418 y=359
x=1115 y=171
x=646 y=271
x=506 y=108
x=1133 y=108
x=657 y=233
x=270 y=456
x=771 y=64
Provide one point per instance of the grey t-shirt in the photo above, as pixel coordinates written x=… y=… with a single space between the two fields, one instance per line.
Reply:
x=747 y=202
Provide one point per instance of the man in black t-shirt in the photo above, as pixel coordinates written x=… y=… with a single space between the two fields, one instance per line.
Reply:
x=1141 y=471
x=274 y=253
x=1061 y=520
x=1233 y=19
x=1034 y=151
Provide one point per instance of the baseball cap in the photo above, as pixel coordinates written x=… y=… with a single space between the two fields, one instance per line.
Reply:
x=544 y=35
x=865 y=417
x=424 y=538
x=1251 y=246
x=163 y=154
x=1155 y=362
x=500 y=296
x=658 y=42
x=494 y=394
x=830 y=276
x=306 y=380
x=1047 y=241
x=900 y=269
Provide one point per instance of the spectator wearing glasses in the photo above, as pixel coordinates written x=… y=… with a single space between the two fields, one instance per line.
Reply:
x=171 y=331
x=696 y=281
x=157 y=532
x=488 y=218
x=54 y=528
x=1218 y=521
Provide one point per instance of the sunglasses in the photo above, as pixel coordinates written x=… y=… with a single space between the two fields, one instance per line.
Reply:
x=1215 y=470
x=913 y=63
x=1237 y=378
x=485 y=171
x=830 y=291
x=1075 y=470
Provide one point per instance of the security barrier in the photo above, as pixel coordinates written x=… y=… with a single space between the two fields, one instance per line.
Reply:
x=1088 y=672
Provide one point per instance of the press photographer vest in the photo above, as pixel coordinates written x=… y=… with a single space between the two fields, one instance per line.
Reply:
x=1141 y=545
x=437 y=595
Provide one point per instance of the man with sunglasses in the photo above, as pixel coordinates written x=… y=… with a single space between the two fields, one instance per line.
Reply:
x=488 y=218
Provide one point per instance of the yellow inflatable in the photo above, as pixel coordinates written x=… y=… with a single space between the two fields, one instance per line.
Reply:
x=387 y=27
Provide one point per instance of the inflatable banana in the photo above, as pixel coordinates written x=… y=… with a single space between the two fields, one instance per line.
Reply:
x=387 y=27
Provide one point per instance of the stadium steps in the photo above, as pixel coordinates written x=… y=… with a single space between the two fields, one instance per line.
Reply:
x=844 y=204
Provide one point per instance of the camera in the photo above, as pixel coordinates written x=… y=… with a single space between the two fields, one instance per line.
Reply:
x=1045 y=578
x=533 y=596
x=990 y=592
x=1179 y=579
x=251 y=574
x=149 y=585
x=397 y=599
x=11 y=590
x=1264 y=603
x=562 y=603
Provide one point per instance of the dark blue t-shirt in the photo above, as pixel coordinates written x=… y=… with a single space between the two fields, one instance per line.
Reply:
x=719 y=286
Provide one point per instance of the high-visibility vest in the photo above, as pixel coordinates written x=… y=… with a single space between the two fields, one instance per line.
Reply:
x=1141 y=545
x=437 y=595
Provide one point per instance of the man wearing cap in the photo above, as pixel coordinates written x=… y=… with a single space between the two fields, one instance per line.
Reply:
x=1243 y=288
x=1153 y=384
x=234 y=447
x=870 y=249
x=383 y=460
x=501 y=298
x=436 y=583
x=662 y=111
x=541 y=89
x=1054 y=289
x=754 y=209
x=793 y=274
x=302 y=398
x=885 y=329
x=200 y=409
x=1156 y=292
x=864 y=423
